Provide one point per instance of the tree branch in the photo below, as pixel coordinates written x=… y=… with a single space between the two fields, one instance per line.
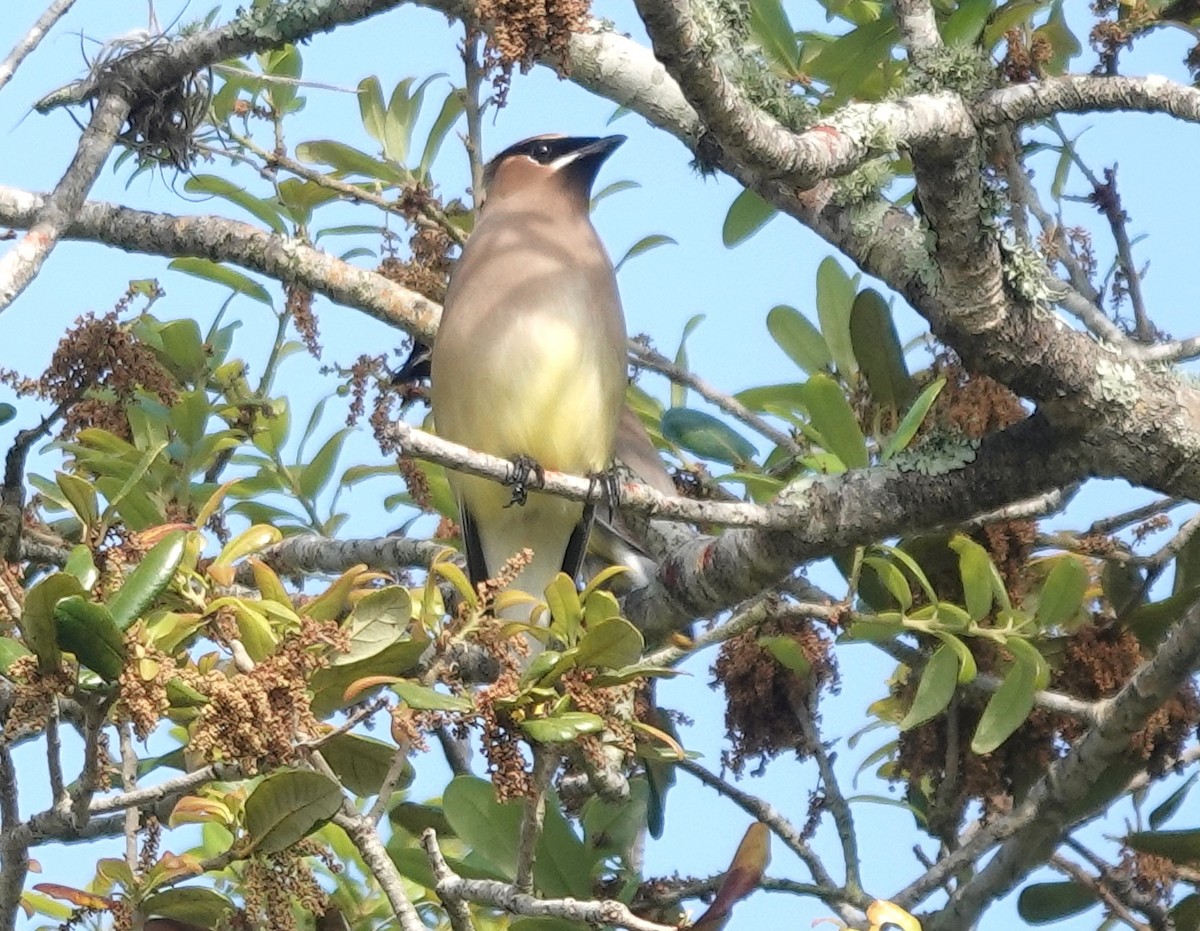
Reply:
x=32 y=39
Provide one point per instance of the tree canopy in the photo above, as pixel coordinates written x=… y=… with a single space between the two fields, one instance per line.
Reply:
x=290 y=724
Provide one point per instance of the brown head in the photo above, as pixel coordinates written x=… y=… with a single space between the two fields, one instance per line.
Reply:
x=551 y=164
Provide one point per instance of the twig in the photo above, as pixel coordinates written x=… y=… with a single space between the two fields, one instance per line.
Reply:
x=655 y=362
x=1120 y=884
x=12 y=496
x=54 y=757
x=432 y=215
x=779 y=825
x=545 y=762
x=457 y=910
x=20 y=264
x=129 y=780
x=169 y=788
x=32 y=38
x=599 y=912
x=1102 y=890
x=1136 y=515
x=835 y=801
x=14 y=844
x=366 y=839
x=474 y=110
x=396 y=769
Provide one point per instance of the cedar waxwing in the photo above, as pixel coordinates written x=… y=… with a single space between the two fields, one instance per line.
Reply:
x=530 y=358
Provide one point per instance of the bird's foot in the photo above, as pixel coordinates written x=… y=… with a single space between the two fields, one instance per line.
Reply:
x=606 y=486
x=523 y=469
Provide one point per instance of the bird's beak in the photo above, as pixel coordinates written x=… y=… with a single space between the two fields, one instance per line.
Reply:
x=599 y=149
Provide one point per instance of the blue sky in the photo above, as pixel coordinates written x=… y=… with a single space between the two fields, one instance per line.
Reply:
x=661 y=291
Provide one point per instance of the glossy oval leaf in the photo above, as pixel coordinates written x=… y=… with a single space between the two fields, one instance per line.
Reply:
x=831 y=416
x=878 y=352
x=936 y=688
x=748 y=214
x=1006 y=710
x=1062 y=595
x=223 y=275
x=835 y=302
x=796 y=335
x=705 y=436
x=1042 y=903
x=150 y=579
x=287 y=806
x=562 y=728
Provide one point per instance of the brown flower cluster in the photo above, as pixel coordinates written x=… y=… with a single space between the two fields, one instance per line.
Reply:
x=972 y=404
x=253 y=718
x=272 y=884
x=299 y=307
x=523 y=31
x=33 y=694
x=96 y=371
x=502 y=738
x=1096 y=663
x=1024 y=61
x=1110 y=35
x=764 y=698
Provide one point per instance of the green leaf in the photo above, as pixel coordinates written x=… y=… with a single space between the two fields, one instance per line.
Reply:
x=195 y=905
x=7 y=413
x=223 y=275
x=788 y=653
x=1042 y=903
x=263 y=209
x=832 y=417
x=796 y=336
x=362 y=763
x=1063 y=43
x=936 y=688
x=1006 y=710
x=347 y=160
x=644 y=245
x=452 y=109
x=149 y=580
x=610 y=644
x=747 y=215
x=835 y=302
x=1177 y=846
x=893 y=580
x=317 y=473
x=562 y=728
x=706 y=436
x=37 y=619
x=770 y=27
x=10 y=651
x=975 y=569
x=912 y=420
x=371 y=108
x=877 y=350
x=1186 y=914
x=678 y=389
x=1062 y=596
x=610 y=189
x=965 y=25
x=81 y=496
x=287 y=806
x=87 y=630
x=490 y=829
x=423 y=698
x=1164 y=812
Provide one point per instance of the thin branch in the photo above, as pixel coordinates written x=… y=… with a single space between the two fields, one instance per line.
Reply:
x=456 y=909
x=58 y=791
x=129 y=768
x=396 y=770
x=366 y=839
x=474 y=107
x=167 y=789
x=545 y=763
x=14 y=844
x=28 y=42
x=1103 y=891
x=21 y=263
x=835 y=801
x=780 y=827
x=600 y=912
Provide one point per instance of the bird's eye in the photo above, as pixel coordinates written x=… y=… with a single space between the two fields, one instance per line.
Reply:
x=541 y=152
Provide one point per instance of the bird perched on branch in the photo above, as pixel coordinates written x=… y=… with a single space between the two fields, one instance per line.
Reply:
x=529 y=362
